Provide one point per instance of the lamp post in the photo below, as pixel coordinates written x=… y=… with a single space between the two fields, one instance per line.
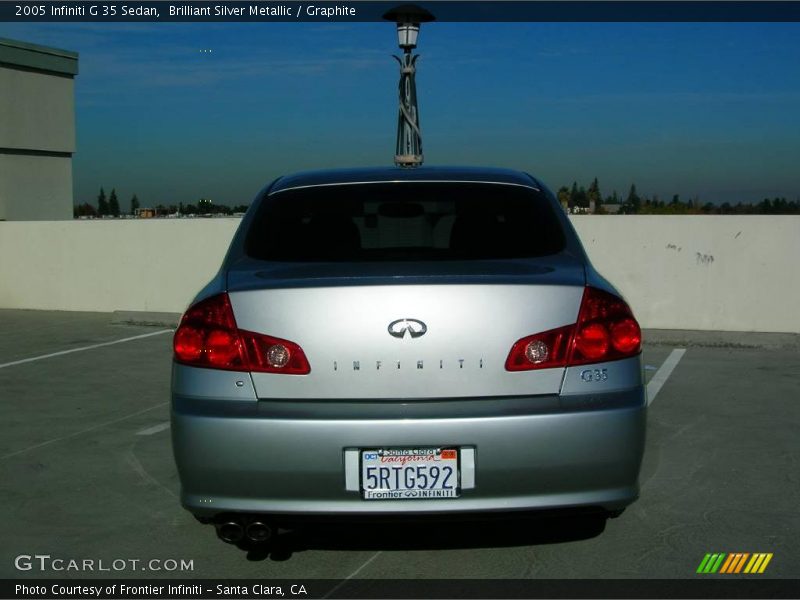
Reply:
x=409 y=139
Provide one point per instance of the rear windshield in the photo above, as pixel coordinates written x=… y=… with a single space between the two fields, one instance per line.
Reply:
x=404 y=221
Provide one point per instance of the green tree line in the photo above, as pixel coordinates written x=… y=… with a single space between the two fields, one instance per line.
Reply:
x=635 y=204
x=109 y=206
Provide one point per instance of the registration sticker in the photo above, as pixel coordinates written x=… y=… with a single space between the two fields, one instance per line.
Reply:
x=409 y=473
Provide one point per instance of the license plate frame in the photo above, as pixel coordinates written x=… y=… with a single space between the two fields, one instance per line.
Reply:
x=404 y=465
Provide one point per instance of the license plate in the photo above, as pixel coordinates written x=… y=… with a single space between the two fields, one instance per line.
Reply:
x=409 y=473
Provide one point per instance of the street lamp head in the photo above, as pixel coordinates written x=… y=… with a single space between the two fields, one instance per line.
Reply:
x=407 y=35
x=408 y=17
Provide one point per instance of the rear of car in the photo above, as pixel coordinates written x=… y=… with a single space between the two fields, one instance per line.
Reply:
x=400 y=342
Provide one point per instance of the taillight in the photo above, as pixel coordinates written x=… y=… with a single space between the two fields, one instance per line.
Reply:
x=208 y=337
x=606 y=330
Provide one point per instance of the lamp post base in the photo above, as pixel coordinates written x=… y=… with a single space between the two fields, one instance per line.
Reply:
x=408 y=160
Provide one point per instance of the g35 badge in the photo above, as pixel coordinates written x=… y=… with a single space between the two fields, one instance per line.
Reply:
x=589 y=375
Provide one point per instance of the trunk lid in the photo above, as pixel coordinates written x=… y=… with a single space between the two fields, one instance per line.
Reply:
x=472 y=313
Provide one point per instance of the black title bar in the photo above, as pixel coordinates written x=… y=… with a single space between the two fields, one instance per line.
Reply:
x=200 y=589
x=488 y=11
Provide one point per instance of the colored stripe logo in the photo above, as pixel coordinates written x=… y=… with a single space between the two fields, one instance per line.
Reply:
x=735 y=562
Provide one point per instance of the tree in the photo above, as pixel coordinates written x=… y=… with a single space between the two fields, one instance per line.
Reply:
x=563 y=197
x=102 y=204
x=578 y=197
x=113 y=203
x=633 y=203
x=134 y=204
x=593 y=195
x=573 y=195
x=84 y=210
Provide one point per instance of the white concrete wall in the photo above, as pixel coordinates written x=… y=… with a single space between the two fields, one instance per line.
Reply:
x=105 y=265
x=728 y=273
x=682 y=272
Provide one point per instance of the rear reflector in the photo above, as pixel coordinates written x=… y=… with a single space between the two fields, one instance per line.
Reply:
x=541 y=351
x=273 y=355
x=208 y=337
x=606 y=330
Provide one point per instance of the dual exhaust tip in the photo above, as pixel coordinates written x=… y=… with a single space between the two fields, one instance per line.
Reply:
x=236 y=530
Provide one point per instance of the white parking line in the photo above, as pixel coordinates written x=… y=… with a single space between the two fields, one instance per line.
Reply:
x=663 y=373
x=82 y=431
x=136 y=337
x=154 y=429
x=353 y=574
x=137 y=466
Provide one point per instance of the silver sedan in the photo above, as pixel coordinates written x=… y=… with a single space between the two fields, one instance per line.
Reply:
x=405 y=342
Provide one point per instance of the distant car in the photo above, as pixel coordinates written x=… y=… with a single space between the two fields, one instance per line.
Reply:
x=405 y=342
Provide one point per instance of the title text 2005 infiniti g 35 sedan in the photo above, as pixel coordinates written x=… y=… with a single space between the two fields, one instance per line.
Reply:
x=405 y=342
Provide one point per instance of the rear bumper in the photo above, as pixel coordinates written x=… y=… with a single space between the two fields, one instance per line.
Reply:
x=293 y=458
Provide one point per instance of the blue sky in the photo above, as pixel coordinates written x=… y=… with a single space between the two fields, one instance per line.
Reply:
x=708 y=110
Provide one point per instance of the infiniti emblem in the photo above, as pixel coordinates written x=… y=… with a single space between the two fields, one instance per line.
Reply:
x=413 y=327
